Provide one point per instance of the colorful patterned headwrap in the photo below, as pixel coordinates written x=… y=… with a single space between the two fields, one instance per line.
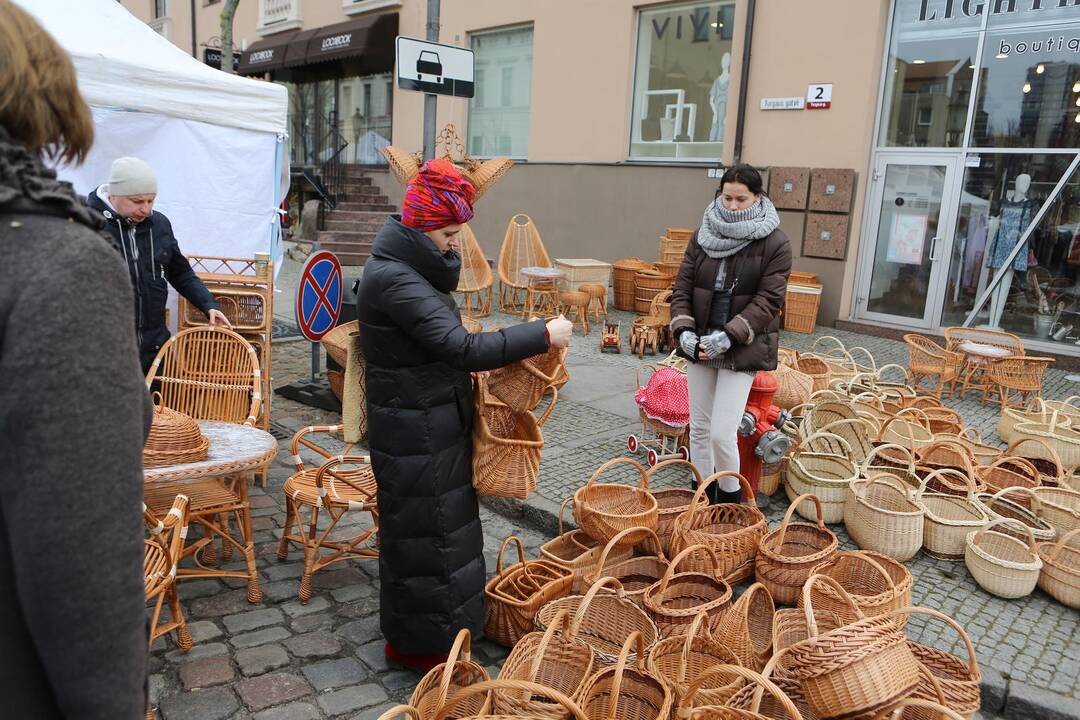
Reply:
x=438 y=196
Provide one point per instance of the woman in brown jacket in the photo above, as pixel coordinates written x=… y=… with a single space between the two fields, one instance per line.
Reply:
x=726 y=316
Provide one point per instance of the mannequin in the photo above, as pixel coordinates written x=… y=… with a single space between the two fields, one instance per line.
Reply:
x=718 y=99
x=1005 y=230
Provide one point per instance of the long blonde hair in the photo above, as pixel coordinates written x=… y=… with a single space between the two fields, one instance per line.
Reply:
x=40 y=105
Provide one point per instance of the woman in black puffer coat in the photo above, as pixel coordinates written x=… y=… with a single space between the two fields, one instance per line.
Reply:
x=420 y=407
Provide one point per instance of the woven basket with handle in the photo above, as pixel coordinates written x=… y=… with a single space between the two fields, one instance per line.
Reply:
x=444 y=681
x=881 y=516
x=603 y=510
x=732 y=531
x=673 y=502
x=681 y=659
x=1060 y=576
x=875 y=582
x=678 y=597
x=1058 y=506
x=514 y=594
x=577 y=552
x=788 y=554
x=1006 y=503
x=627 y=691
x=637 y=572
x=824 y=475
x=746 y=704
x=747 y=628
x=949 y=518
x=555 y=659
x=455 y=708
x=507 y=445
x=947 y=678
x=1001 y=564
x=522 y=385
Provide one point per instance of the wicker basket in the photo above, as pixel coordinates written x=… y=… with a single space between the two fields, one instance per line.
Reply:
x=444 y=681
x=901 y=431
x=603 y=620
x=1008 y=473
x=825 y=476
x=1058 y=506
x=516 y=593
x=858 y=668
x=174 y=439
x=875 y=582
x=627 y=690
x=948 y=455
x=1006 y=504
x=787 y=555
x=679 y=660
x=337 y=341
x=1061 y=443
x=507 y=445
x=949 y=519
x=915 y=708
x=673 y=502
x=793 y=387
x=1038 y=452
x=732 y=531
x=1001 y=564
x=577 y=552
x=981 y=453
x=746 y=704
x=1036 y=411
x=636 y=573
x=603 y=510
x=677 y=598
x=555 y=659
x=522 y=385
x=673 y=245
x=1060 y=576
x=880 y=516
x=747 y=629
x=801 y=305
x=947 y=679
x=623 y=281
x=526 y=690
x=647 y=285
x=816 y=370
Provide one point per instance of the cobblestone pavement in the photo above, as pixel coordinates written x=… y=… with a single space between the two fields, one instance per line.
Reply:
x=281 y=659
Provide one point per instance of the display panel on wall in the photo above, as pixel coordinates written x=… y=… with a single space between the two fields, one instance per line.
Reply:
x=832 y=190
x=1001 y=196
x=499 y=110
x=788 y=187
x=682 y=73
x=826 y=236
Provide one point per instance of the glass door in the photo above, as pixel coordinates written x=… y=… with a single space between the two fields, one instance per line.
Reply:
x=912 y=228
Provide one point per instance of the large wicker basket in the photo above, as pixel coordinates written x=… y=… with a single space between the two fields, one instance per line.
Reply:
x=649 y=283
x=627 y=690
x=1060 y=576
x=824 y=475
x=603 y=510
x=732 y=531
x=748 y=628
x=946 y=678
x=507 y=445
x=636 y=573
x=1001 y=564
x=678 y=597
x=444 y=681
x=623 y=281
x=516 y=593
x=881 y=516
x=788 y=554
x=577 y=552
x=673 y=502
x=877 y=584
x=174 y=438
x=681 y=659
x=522 y=385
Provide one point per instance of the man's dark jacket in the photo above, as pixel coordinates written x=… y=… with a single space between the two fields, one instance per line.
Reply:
x=154 y=262
x=420 y=414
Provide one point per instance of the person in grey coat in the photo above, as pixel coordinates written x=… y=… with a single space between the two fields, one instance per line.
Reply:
x=73 y=414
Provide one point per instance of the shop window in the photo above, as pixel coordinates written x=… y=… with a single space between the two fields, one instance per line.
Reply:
x=1001 y=196
x=681 y=79
x=928 y=77
x=1029 y=92
x=503 y=61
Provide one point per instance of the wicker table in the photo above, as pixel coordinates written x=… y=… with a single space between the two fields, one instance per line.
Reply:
x=977 y=359
x=542 y=292
x=217 y=487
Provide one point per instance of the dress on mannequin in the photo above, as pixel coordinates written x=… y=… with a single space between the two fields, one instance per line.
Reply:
x=718 y=99
x=1012 y=219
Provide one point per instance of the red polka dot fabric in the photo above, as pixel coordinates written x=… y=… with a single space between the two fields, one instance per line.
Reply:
x=665 y=397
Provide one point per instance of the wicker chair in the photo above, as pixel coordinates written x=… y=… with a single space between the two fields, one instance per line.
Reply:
x=1020 y=375
x=973 y=373
x=161 y=556
x=211 y=373
x=522 y=247
x=927 y=359
x=342 y=483
x=476 y=281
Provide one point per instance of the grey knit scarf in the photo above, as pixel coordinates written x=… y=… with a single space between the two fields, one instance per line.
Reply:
x=725 y=232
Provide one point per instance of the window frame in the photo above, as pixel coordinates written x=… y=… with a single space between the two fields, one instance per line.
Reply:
x=468 y=136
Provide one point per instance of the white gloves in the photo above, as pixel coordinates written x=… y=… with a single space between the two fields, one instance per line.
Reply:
x=715 y=345
x=688 y=343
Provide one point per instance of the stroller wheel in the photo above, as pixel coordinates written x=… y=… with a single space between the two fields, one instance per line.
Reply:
x=632 y=443
x=652 y=458
x=684 y=453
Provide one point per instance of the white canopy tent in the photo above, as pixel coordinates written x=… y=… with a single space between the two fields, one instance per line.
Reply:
x=216 y=141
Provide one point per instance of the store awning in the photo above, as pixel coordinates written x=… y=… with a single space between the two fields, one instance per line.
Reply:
x=371 y=38
x=296 y=51
x=266 y=54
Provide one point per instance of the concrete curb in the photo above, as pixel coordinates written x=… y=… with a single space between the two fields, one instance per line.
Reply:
x=1001 y=696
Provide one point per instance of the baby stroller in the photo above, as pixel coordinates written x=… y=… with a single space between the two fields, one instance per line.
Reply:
x=664 y=407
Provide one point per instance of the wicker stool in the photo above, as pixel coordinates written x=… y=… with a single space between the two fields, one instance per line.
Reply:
x=578 y=302
x=597 y=300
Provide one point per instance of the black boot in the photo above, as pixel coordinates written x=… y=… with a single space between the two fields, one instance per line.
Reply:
x=733 y=497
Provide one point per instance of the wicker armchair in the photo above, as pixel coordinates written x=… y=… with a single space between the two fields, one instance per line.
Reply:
x=927 y=359
x=211 y=373
x=973 y=373
x=476 y=281
x=522 y=247
x=342 y=483
x=162 y=554
x=1021 y=375
x=956 y=336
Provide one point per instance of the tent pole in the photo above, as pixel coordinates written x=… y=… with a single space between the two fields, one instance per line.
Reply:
x=430 y=100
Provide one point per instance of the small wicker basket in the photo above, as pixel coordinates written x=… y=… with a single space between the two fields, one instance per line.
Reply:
x=603 y=510
x=516 y=593
x=1001 y=564
x=1060 y=576
x=175 y=438
x=788 y=554
x=440 y=685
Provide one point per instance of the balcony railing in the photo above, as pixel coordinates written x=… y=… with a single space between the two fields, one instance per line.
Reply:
x=278 y=15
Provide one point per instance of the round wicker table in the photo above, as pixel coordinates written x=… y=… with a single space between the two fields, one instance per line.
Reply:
x=542 y=291
x=217 y=488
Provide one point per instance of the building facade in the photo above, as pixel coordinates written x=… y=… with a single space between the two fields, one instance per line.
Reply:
x=918 y=149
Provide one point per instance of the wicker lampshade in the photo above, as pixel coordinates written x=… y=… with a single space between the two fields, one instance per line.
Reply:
x=174 y=439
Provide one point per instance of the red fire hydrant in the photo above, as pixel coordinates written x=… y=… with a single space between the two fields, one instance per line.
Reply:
x=760 y=439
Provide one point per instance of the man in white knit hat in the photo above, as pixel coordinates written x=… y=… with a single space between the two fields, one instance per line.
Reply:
x=152 y=253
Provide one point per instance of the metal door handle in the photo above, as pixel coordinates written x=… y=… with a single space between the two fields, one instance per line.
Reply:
x=933 y=248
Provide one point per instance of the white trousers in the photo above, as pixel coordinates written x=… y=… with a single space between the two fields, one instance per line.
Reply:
x=717 y=400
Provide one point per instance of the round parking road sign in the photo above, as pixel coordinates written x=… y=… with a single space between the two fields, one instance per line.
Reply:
x=318 y=295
